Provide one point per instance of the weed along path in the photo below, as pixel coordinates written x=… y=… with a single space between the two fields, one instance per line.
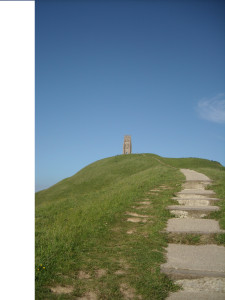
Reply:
x=199 y=269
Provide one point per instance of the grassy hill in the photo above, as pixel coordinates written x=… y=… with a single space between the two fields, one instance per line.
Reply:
x=84 y=243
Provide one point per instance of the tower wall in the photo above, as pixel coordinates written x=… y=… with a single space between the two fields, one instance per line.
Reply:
x=127 y=147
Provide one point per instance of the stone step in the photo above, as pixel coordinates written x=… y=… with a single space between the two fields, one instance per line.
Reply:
x=199 y=181
x=196 y=202
x=195 y=185
x=193 y=196
x=196 y=198
x=201 y=295
x=182 y=211
x=188 y=261
x=201 y=208
x=197 y=192
x=198 y=226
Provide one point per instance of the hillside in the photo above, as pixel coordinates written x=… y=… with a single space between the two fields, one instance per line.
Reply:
x=85 y=242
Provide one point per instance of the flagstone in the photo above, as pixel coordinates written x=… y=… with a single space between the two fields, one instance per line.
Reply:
x=186 y=261
x=193 y=226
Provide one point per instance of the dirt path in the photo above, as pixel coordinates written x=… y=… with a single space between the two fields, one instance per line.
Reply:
x=200 y=270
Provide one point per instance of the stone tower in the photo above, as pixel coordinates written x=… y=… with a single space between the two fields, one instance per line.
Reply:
x=127 y=148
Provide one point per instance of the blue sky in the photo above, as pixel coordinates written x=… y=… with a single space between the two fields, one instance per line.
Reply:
x=152 y=69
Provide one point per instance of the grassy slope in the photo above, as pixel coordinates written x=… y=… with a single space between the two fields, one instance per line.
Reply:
x=81 y=225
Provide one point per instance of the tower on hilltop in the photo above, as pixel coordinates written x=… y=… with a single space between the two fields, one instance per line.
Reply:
x=127 y=148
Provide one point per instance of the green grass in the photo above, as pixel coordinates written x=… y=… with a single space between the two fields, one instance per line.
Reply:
x=81 y=225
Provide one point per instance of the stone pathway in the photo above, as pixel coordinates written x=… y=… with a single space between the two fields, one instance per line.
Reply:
x=200 y=270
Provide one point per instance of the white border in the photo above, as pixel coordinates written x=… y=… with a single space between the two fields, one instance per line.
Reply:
x=17 y=24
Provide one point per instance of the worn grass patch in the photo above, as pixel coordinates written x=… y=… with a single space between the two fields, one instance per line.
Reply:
x=196 y=239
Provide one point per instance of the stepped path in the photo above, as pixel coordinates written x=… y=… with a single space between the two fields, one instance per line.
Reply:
x=200 y=270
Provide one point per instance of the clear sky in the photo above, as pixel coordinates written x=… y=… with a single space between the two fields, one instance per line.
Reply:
x=154 y=70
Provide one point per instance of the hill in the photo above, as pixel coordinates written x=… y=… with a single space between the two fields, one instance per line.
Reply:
x=86 y=241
